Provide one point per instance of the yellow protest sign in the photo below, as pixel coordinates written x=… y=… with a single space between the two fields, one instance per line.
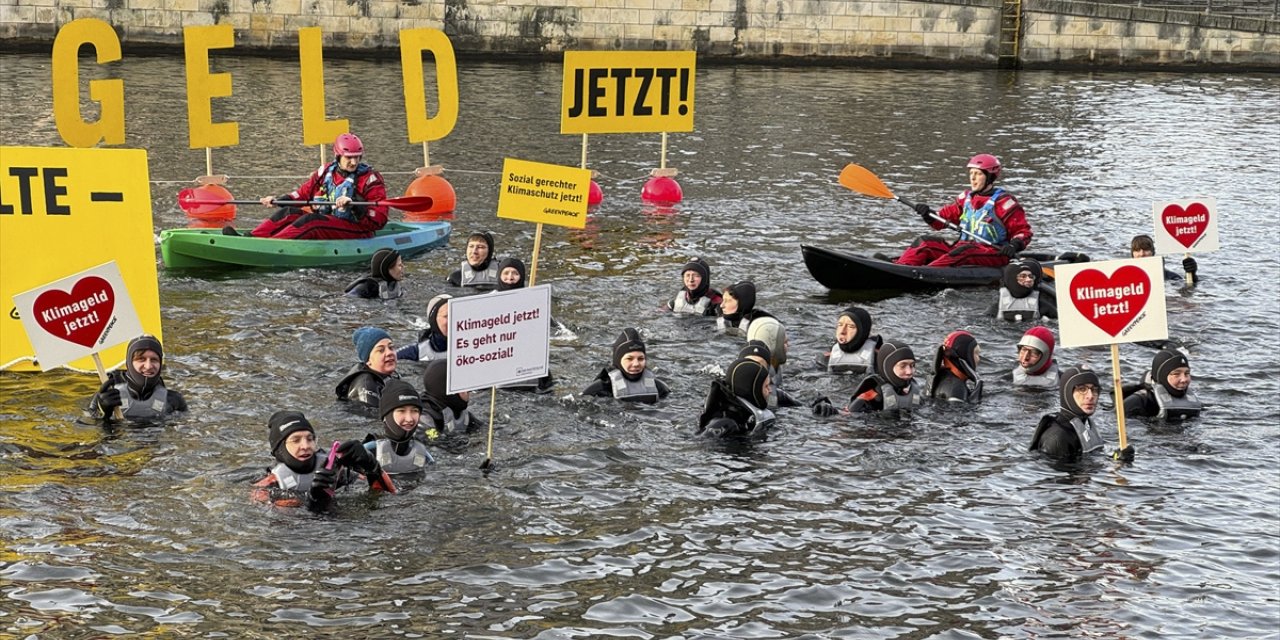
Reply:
x=315 y=128
x=109 y=94
x=86 y=207
x=413 y=42
x=627 y=91
x=203 y=87
x=544 y=193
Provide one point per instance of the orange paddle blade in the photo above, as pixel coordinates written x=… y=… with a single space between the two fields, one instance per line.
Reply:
x=860 y=179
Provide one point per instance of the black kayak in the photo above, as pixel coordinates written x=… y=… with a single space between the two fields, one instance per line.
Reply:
x=848 y=272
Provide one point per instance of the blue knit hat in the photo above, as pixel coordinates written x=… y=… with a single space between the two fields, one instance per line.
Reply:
x=366 y=338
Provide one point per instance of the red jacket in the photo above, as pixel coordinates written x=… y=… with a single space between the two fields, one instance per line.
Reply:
x=1007 y=208
x=369 y=188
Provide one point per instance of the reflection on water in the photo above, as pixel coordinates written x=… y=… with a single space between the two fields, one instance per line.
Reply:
x=601 y=522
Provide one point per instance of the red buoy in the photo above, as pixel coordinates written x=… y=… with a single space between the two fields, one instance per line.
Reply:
x=444 y=199
x=661 y=190
x=594 y=195
x=215 y=214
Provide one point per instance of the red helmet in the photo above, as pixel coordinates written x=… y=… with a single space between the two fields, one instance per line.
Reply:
x=986 y=163
x=348 y=144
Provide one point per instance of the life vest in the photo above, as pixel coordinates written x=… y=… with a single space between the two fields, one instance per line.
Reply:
x=415 y=460
x=760 y=420
x=682 y=305
x=983 y=223
x=893 y=402
x=645 y=389
x=328 y=190
x=739 y=329
x=859 y=361
x=1018 y=309
x=1171 y=408
x=1090 y=439
x=472 y=278
x=1046 y=380
x=290 y=480
x=436 y=424
x=945 y=386
x=426 y=352
x=152 y=408
x=368 y=395
x=387 y=290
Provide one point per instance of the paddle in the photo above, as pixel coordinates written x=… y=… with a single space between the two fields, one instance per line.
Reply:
x=192 y=202
x=860 y=179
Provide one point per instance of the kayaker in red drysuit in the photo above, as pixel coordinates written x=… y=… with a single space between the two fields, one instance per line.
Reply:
x=342 y=181
x=984 y=212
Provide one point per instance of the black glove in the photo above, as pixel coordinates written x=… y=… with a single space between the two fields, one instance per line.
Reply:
x=353 y=455
x=322 y=484
x=925 y=212
x=823 y=407
x=1189 y=265
x=108 y=398
x=1011 y=248
x=1123 y=455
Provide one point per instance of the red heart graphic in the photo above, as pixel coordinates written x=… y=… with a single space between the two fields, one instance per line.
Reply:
x=1185 y=225
x=80 y=316
x=1111 y=303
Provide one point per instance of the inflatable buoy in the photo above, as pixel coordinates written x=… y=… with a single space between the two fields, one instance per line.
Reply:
x=661 y=190
x=211 y=213
x=594 y=195
x=443 y=197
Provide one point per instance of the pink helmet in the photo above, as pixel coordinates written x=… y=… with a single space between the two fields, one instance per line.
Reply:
x=986 y=163
x=348 y=144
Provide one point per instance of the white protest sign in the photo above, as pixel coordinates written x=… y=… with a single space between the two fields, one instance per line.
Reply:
x=1186 y=226
x=78 y=315
x=499 y=338
x=1111 y=302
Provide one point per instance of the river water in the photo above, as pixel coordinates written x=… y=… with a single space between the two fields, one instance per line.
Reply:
x=607 y=522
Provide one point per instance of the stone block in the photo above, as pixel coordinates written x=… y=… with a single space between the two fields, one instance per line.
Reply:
x=637 y=31
x=1145 y=14
x=1182 y=17
x=627 y=16
x=17 y=14
x=1248 y=24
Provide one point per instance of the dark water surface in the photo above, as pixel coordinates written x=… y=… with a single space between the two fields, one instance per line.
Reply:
x=601 y=522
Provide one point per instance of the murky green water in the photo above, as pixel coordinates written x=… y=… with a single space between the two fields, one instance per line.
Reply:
x=607 y=523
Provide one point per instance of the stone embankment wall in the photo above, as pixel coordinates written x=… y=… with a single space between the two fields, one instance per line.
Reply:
x=1050 y=33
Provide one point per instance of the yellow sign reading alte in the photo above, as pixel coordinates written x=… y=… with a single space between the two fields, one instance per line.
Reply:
x=627 y=91
x=86 y=207
x=544 y=193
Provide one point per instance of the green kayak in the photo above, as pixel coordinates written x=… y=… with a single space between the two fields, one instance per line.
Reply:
x=210 y=249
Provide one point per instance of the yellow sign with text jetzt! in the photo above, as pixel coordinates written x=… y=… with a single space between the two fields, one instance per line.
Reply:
x=627 y=91
x=544 y=193
x=63 y=211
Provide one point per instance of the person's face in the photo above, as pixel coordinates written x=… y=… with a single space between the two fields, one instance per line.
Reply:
x=1086 y=395
x=846 y=330
x=1026 y=279
x=442 y=319
x=301 y=444
x=510 y=275
x=1029 y=357
x=406 y=417
x=146 y=362
x=977 y=357
x=1180 y=378
x=397 y=270
x=728 y=304
x=349 y=163
x=383 y=357
x=767 y=387
x=905 y=369
x=477 y=251
x=1142 y=253
x=633 y=362
x=465 y=395
x=692 y=280
x=977 y=179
